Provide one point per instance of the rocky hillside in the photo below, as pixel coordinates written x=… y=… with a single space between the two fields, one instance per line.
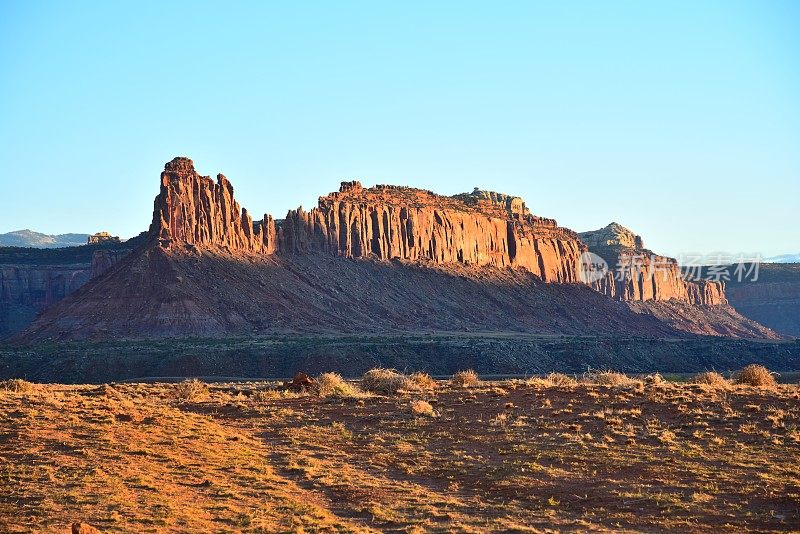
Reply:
x=638 y=274
x=380 y=259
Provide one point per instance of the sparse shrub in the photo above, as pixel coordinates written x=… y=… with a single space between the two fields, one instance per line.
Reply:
x=333 y=385
x=421 y=407
x=386 y=381
x=608 y=378
x=262 y=395
x=465 y=379
x=755 y=375
x=17 y=385
x=421 y=381
x=554 y=380
x=499 y=420
x=710 y=378
x=191 y=390
x=654 y=380
x=560 y=379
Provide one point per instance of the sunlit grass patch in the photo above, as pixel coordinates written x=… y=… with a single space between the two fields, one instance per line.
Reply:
x=17 y=385
x=710 y=378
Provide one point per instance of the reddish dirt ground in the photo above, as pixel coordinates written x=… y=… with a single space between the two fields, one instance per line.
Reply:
x=500 y=456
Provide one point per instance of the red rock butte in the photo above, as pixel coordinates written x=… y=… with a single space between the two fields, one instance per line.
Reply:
x=378 y=259
x=388 y=222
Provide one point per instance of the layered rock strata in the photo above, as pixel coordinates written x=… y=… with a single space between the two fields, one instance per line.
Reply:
x=638 y=274
x=382 y=222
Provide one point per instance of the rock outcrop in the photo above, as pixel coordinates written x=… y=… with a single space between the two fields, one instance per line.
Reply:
x=195 y=210
x=638 y=274
x=102 y=237
x=391 y=222
x=765 y=292
x=382 y=222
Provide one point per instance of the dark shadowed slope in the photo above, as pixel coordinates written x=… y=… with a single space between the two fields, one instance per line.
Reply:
x=160 y=293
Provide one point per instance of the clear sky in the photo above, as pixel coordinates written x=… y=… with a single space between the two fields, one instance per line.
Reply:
x=680 y=120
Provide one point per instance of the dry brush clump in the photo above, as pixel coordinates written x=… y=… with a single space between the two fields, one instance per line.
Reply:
x=191 y=390
x=263 y=395
x=391 y=382
x=654 y=379
x=755 y=375
x=421 y=381
x=17 y=385
x=465 y=379
x=553 y=380
x=422 y=407
x=710 y=378
x=333 y=385
x=609 y=378
x=386 y=381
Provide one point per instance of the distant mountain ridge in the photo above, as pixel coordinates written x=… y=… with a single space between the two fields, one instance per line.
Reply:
x=30 y=239
x=783 y=258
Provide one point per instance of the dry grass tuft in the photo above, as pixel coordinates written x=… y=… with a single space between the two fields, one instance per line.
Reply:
x=17 y=385
x=560 y=379
x=333 y=385
x=755 y=375
x=191 y=390
x=465 y=379
x=386 y=381
x=608 y=378
x=263 y=395
x=654 y=379
x=421 y=407
x=554 y=380
x=710 y=378
x=421 y=381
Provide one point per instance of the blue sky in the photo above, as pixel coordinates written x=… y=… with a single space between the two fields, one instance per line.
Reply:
x=680 y=120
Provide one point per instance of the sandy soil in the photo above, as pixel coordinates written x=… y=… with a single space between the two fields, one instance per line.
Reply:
x=499 y=456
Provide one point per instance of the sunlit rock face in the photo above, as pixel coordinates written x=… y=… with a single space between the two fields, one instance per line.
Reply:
x=383 y=222
x=638 y=274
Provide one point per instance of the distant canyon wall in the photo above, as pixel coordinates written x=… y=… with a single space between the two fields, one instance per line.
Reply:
x=27 y=289
x=34 y=279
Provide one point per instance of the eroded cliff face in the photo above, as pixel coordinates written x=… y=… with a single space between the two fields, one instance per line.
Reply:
x=638 y=274
x=206 y=268
x=390 y=222
x=195 y=210
x=382 y=222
